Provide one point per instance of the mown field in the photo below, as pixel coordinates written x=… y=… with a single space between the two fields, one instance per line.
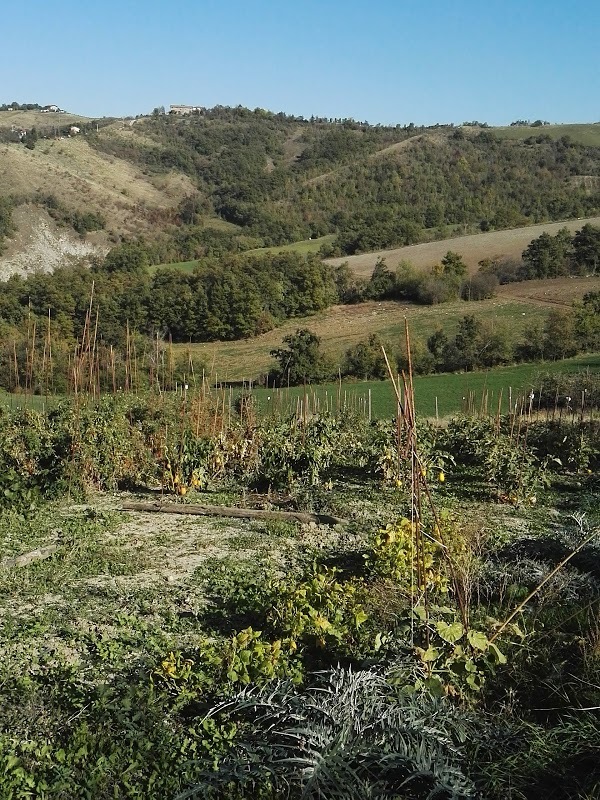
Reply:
x=473 y=248
x=516 y=308
x=587 y=134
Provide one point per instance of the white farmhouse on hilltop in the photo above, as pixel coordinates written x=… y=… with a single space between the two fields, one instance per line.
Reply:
x=183 y=109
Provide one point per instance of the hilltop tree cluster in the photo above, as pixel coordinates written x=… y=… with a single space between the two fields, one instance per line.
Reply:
x=231 y=298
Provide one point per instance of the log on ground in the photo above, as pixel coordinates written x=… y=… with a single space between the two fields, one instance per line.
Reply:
x=238 y=513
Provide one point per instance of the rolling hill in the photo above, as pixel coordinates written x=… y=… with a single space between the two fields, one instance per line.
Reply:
x=274 y=179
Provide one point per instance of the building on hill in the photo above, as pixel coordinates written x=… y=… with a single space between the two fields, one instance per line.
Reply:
x=183 y=109
x=52 y=109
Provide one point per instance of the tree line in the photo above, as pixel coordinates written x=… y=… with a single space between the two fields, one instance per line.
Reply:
x=476 y=344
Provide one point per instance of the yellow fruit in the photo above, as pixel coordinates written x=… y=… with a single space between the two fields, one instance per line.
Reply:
x=442 y=477
x=182 y=490
x=176 y=480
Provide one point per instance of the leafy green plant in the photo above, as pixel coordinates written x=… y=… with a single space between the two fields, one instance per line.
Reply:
x=350 y=735
x=566 y=447
x=244 y=658
x=319 y=610
x=296 y=450
x=504 y=461
x=395 y=554
x=452 y=660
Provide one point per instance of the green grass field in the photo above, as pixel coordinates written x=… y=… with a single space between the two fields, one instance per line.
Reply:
x=304 y=248
x=444 y=394
x=183 y=266
x=450 y=390
x=588 y=134
x=12 y=402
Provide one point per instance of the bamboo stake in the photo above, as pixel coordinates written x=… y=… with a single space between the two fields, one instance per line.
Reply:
x=540 y=585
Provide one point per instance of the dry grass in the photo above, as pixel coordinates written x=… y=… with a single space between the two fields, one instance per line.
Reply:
x=560 y=291
x=586 y=133
x=497 y=244
x=43 y=122
x=340 y=327
x=85 y=179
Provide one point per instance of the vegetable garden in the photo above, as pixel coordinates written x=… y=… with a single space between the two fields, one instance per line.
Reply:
x=442 y=640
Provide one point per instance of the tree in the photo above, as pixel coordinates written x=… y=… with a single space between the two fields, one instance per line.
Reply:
x=531 y=348
x=479 y=287
x=586 y=245
x=365 y=360
x=453 y=264
x=382 y=285
x=587 y=322
x=302 y=361
x=130 y=257
x=6 y=224
x=467 y=343
x=31 y=138
x=559 y=335
x=436 y=343
x=549 y=256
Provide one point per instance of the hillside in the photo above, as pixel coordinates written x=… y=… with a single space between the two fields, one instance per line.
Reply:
x=282 y=179
x=231 y=180
x=40 y=245
x=516 y=309
x=68 y=177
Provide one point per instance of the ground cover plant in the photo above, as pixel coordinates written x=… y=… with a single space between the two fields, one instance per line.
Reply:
x=441 y=642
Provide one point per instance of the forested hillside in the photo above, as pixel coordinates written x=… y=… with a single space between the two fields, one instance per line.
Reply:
x=280 y=178
x=231 y=179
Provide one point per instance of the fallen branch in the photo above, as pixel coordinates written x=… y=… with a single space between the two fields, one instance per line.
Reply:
x=27 y=558
x=238 y=513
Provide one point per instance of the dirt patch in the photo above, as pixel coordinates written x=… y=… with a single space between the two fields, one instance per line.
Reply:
x=474 y=248
x=552 y=292
x=40 y=246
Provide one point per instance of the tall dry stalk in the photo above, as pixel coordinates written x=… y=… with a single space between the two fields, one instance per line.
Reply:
x=420 y=493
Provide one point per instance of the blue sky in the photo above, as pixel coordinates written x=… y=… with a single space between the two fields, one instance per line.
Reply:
x=382 y=61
